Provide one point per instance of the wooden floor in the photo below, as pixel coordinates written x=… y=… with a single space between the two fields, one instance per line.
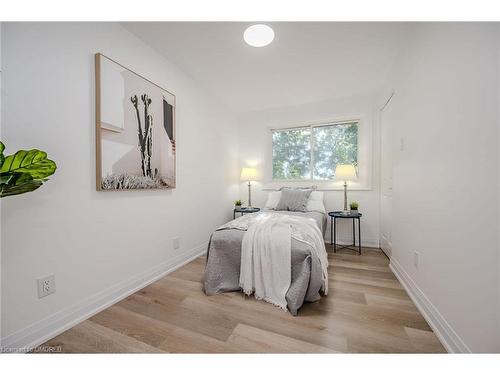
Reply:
x=366 y=311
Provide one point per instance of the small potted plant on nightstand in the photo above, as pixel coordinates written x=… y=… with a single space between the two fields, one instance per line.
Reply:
x=237 y=204
x=354 y=208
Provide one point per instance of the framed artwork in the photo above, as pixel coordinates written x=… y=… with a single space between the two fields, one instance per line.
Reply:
x=135 y=130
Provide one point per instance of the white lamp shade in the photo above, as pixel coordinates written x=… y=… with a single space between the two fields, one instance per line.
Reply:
x=248 y=174
x=345 y=172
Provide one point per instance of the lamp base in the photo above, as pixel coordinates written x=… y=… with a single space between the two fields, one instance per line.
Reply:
x=249 y=195
x=345 y=211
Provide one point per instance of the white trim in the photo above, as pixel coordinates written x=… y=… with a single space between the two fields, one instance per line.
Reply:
x=365 y=154
x=45 y=329
x=443 y=330
x=348 y=241
x=357 y=120
x=311 y=124
x=277 y=186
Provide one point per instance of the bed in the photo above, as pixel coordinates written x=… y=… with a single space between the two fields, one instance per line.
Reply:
x=222 y=272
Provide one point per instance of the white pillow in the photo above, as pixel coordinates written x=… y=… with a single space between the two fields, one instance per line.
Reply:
x=272 y=200
x=315 y=202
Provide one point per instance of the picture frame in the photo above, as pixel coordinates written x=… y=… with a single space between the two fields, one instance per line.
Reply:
x=135 y=130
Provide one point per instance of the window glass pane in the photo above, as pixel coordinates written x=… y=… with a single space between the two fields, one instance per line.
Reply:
x=292 y=154
x=332 y=145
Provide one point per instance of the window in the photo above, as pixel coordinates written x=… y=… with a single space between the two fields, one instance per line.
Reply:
x=312 y=152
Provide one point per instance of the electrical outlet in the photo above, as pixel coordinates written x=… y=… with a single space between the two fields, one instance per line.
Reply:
x=415 y=258
x=176 y=243
x=46 y=286
x=402 y=144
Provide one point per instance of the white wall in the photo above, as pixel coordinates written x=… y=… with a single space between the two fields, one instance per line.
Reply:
x=498 y=182
x=255 y=149
x=386 y=144
x=93 y=240
x=445 y=180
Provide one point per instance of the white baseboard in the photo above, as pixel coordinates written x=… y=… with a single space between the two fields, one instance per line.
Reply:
x=348 y=241
x=28 y=338
x=443 y=330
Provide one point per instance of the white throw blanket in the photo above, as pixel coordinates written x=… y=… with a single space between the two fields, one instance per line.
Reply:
x=266 y=253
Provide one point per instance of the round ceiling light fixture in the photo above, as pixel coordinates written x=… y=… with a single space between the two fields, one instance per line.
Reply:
x=258 y=35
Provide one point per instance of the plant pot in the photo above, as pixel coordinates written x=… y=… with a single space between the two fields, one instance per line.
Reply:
x=354 y=212
x=237 y=206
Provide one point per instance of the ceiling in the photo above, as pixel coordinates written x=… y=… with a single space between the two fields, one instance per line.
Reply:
x=306 y=62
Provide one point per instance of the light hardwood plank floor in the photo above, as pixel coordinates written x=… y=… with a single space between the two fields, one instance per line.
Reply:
x=366 y=311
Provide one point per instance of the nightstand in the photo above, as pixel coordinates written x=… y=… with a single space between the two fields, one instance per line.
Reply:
x=333 y=230
x=244 y=210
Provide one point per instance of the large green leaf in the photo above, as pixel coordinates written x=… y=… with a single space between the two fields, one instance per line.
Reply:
x=26 y=187
x=33 y=162
x=24 y=171
x=18 y=183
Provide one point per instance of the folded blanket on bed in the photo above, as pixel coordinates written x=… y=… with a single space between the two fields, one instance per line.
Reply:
x=265 y=253
x=266 y=259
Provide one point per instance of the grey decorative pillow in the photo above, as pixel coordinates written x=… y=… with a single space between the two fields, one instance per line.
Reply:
x=293 y=199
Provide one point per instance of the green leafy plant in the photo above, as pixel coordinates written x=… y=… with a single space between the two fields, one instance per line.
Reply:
x=23 y=171
x=354 y=205
x=237 y=202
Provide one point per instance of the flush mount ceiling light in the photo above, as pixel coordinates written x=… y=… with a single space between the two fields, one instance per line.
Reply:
x=258 y=35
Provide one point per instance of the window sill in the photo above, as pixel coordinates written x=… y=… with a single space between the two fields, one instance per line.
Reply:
x=274 y=186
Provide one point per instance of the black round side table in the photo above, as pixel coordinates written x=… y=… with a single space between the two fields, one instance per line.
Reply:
x=244 y=210
x=333 y=230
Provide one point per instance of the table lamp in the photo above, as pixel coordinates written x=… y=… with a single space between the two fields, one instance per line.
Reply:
x=249 y=174
x=345 y=172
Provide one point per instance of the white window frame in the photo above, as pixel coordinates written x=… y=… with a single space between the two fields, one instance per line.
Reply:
x=311 y=142
x=364 y=157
